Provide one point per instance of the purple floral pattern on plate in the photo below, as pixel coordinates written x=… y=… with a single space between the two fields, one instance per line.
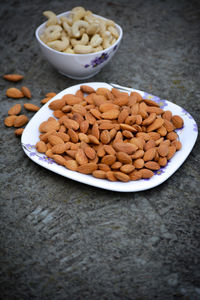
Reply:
x=33 y=152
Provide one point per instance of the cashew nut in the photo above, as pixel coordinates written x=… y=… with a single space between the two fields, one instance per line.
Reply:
x=78 y=13
x=67 y=28
x=52 y=33
x=96 y=40
x=69 y=50
x=97 y=49
x=107 y=40
x=93 y=28
x=52 y=19
x=114 y=31
x=83 y=49
x=59 y=45
x=76 y=27
x=83 y=41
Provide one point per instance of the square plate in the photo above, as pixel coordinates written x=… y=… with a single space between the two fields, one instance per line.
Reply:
x=187 y=136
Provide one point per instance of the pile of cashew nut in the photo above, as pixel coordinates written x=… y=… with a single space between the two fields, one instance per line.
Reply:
x=81 y=32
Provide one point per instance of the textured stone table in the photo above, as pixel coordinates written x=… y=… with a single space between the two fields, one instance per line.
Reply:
x=65 y=240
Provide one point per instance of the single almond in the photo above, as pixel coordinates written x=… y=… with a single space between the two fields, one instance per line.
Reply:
x=41 y=147
x=99 y=174
x=177 y=121
x=9 y=121
x=149 y=154
x=15 y=110
x=57 y=104
x=71 y=164
x=88 y=168
x=20 y=120
x=110 y=114
x=121 y=176
x=13 y=77
x=26 y=91
x=31 y=107
x=125 y=147
x=59 y=148
x=152 y=165
x=19 y=131
x=155 y=125
x=14 y=93
x=87 y=89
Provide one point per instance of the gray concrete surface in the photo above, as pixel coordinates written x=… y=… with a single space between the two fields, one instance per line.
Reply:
x=60 y=239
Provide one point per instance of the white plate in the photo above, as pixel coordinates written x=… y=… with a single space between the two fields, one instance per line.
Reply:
x=187 y=135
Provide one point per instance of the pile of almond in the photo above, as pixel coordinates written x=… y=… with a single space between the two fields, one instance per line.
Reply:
x=109 y=134
x=15 y=116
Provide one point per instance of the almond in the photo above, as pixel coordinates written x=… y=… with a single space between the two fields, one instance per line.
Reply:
x=125 y=147
x=9 y=121
x=54 y=140
x=15 y=110
x=138 y=163
x=151 y=118
x=45 y=100
x=177 y=121
x=73 y=135
x=99 y=174
x=108 y=159
x=87 y=89
x=26 y=92
x=13 y=77
x=105 y=137
x=14 y=93
x=88 y=168
x=103 y=167
x=56 y=104
x=146 y=173
x=108 y=106
x=163 y=150
x=50 y=95
x=59 y=159
x=81 y=158
x=41 y=147
x=84 y=126
x=71 y=99
x=121 y=176
x=71 y=164
x=135 y=175
x=19 y=131
x=110 y=114
x=127 y=168
x=152 y=165
x=171 y=152
x=168 y=125
x=90 y=152
x=155 y=125
x=20 y=120
x=71 y=124
x=149 y=154
x=117 y=165
x=177 y=144
x=59 y=148
x=110 y=176
x=109 y=149
x=31 y=107
x=124 y=157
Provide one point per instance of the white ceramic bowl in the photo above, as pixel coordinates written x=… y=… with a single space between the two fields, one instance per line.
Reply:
x=77 y=66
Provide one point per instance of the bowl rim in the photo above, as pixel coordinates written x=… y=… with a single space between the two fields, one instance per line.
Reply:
x=77 y=54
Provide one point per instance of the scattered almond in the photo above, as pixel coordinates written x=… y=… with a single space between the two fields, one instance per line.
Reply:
x=13 y=77
x=26 y=92
x=14 y=93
